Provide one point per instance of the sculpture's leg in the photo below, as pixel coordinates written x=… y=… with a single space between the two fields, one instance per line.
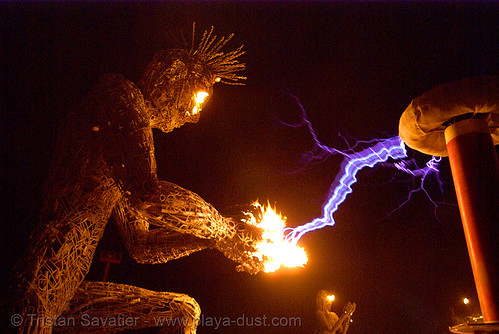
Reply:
x=62 y=249
x=103 y=307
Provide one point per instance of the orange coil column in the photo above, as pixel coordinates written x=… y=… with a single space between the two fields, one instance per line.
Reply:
x=475 y=170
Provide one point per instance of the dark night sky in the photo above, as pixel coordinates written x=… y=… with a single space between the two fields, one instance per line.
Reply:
x=354 y=66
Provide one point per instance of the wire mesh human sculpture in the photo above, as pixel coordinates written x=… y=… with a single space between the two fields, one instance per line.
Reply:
x=105 y=166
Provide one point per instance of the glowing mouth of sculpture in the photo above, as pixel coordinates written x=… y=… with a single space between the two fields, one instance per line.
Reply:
x=273 y=250
x=199 y=98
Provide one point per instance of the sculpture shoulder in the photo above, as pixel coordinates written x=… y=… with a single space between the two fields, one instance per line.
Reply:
x=114 y=87
x=114 y=97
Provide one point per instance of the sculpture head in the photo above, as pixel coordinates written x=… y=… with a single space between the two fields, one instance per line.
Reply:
x=324 y=300
x=177 y=82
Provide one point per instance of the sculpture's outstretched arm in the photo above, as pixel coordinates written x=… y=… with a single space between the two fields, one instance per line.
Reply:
x=149 y=244
x=181 y=210
x=175 y=222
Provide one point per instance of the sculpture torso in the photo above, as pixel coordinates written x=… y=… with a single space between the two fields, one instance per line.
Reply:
x=90 y=174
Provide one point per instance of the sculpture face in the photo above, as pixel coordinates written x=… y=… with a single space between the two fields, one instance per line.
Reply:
x=177 y=86
x=177 y=82
x=323 y=302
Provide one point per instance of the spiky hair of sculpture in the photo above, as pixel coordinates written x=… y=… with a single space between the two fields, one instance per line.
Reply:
x=223 y=65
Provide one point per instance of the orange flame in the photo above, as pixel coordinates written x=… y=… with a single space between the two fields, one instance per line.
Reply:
x=199 y=98
x=274 y=250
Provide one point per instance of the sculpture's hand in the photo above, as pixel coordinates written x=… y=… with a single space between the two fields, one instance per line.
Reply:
x=350 y=308
x=241 y=247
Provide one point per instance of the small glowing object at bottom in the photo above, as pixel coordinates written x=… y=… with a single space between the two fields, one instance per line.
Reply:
x=466 y=301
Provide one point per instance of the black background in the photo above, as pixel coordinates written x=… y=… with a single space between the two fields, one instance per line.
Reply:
x=354 y=66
